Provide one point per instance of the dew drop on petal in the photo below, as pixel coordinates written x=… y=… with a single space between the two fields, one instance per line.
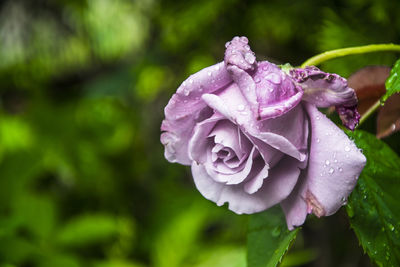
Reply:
x=317 y=118
x=240 y=107
x=257 y=79
x=327 y=162
x=331 y=171
x=340 y=169
x=250 y=58
x=318 y=140
x=347 y=149
x=209 y=73
x=191 y=81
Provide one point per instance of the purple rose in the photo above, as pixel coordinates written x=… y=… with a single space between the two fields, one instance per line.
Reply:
x=255 y=138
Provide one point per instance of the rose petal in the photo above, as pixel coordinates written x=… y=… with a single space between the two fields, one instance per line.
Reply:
x=197 y=146
x=272 y=192
x=333 y=168
x=255 y=183
x=276 y=92
x=294 y=206
x=325 y=89
x=238 y=53
x=186 y=108
x=281 y=133
x=227 y=134
x=246 y=86
x=235 y=177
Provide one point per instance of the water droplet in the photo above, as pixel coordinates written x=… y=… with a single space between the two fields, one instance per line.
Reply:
x=347 y=149
x=317 y=117
x=340 y=169
x=331 y=171
x=227 y=44
x=271 y=89
x=327 y=162
x=191 y=81
x=240 y=107
x=318 y=140
x=321 y=174
x=186 y=92
x=274 y=78
x=257 y=79
x=247 y=47
x=236 y=38
x=335 y=161
x=185 y=101
x=244 y=39
x=209 y=73
x=265 y=67
x=250 y=58
x=217 y=67
x=184 y=84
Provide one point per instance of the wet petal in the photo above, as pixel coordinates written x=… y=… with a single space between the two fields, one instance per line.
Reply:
x=287 y=133
x=186 y=108
x=198 y=143
x=271 y=193
x=276 y=92
x=232 y=178
x=333 y=168
x=325 y=89
x=238 y=53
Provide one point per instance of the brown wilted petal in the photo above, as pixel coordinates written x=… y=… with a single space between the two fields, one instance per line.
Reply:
x=369 y=84
x=388 y=120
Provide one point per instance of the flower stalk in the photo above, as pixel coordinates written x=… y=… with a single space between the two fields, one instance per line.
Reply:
x=328 y=55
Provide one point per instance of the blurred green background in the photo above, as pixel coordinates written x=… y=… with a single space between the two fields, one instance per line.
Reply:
x=83 y=84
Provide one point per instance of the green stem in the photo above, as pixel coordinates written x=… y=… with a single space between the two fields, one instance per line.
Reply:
x=318 y=59
x=369 y=112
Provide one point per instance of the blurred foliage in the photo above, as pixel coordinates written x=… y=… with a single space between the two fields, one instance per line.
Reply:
x=83 y=84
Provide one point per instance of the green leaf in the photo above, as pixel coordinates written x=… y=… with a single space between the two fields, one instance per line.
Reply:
x=393 y=82
x=373 y=206
x=268 y=238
